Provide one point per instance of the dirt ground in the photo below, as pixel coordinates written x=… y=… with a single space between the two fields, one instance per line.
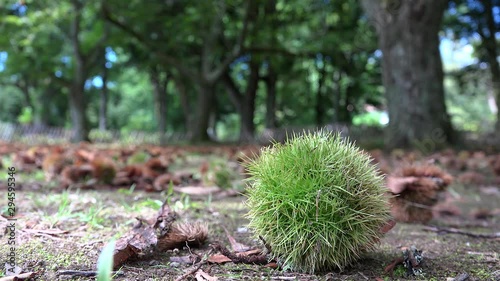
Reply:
x=66 y=230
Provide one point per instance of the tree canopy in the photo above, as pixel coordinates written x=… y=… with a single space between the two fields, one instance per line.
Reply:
x=227 y=70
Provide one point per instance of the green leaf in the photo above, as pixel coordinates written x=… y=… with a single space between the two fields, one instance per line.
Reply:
x=105 y=262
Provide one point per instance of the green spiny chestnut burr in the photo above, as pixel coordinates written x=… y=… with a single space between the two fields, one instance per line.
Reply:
x=317 y=200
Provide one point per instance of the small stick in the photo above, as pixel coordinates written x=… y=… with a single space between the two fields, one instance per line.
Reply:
x=192 y=271
x=443 y=230
x=80 y=273
x=196 y=268
x=268 y=247
x=260 y=259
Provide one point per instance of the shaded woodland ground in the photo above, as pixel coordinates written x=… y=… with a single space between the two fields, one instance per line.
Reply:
x=72 y=199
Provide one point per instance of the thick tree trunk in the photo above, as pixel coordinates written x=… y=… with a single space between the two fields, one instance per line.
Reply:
x=412 y=71
x=77 y=100
x=198 y=129
x=78 y=103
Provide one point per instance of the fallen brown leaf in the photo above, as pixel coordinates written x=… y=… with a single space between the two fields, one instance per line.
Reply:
x=201 y=275
x=398 y=184
x=218 y=258
x=236 y=246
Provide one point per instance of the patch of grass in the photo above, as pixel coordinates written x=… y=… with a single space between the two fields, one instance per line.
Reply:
x=54 y=255
x=400 y=271
x=93 y=217
x=482 y=273
x=64 y=210
x=149 y=203
x=129 y=191
x=138 y=157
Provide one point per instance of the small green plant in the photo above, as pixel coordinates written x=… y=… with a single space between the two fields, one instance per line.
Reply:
x=129 y=191
x=138 y=157
x=317 y=201
x=26 y=116
x=92 y=217
x=150 y=203
x=64 y=211
x=105 y=262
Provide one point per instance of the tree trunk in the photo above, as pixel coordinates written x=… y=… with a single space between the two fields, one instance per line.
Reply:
x=198 y=129
x=496 y=89
x=77 y=105
x=184 y=100
x=25 y=89
x=490 y=44
x=270 y=81
x=159 y=84
x=103 y=103
x=320 y=112
x=412 y=71
x=42 y=113
x=77 y=100
x=337 y=96
x=247 y=126
x=244 y=102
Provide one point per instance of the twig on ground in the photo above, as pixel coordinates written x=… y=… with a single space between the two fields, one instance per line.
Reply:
x=260 y=259
x=444 y=230
x=268 y=247
x=195 y=267
x=82 y=273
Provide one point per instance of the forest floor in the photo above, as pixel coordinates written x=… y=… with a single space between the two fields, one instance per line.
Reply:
x=66 y=229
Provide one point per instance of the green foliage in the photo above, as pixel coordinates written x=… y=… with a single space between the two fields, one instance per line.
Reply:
x=322 y=53
x=138 y=157
x=11 y=105
x=374 y=118
x=26 y=116
x=468 y=98
x=317 y=201
x=105 y=262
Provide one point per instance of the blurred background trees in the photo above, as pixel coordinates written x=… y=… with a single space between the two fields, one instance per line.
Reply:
x=228 y=70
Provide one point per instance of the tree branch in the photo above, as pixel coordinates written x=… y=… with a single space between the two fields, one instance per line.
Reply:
x=75 y=30
x=237 y=49
x=94 y=53
x=234 y=93
x=161 y=55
